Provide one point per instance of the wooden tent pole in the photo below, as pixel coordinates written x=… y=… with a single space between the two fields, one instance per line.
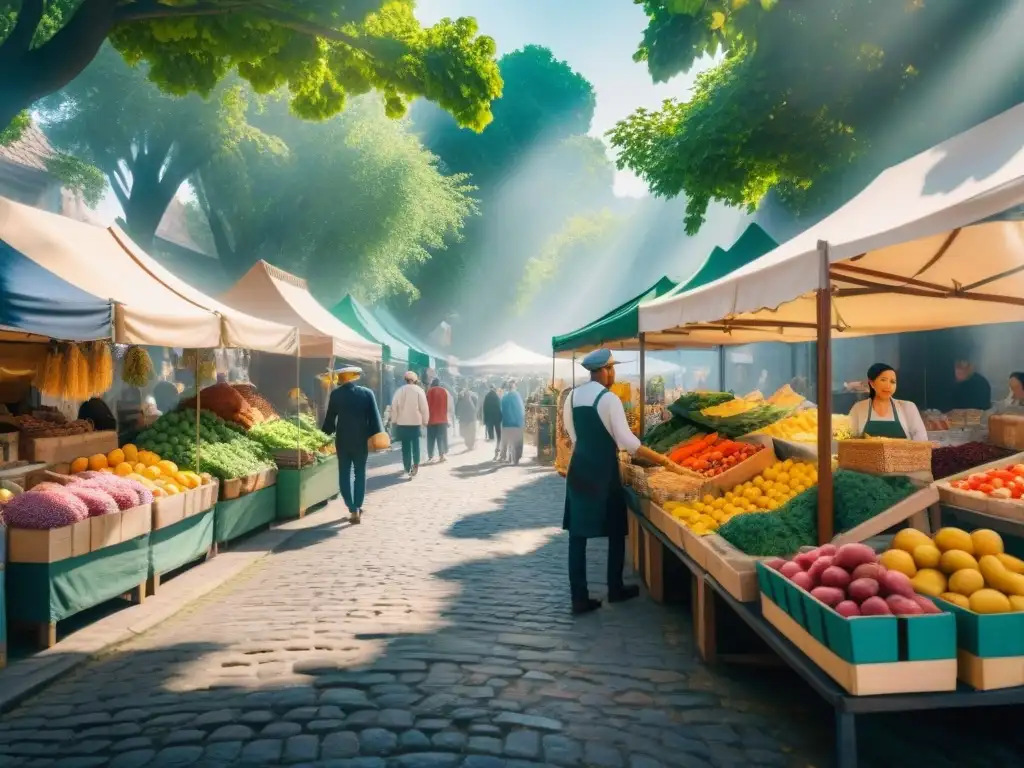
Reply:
x=826 y=496
x=643 y=387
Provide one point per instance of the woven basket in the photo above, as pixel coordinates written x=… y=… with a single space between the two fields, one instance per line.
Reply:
x=640 y=478
x=626 y=472
x=669 y=486
x=885 y=456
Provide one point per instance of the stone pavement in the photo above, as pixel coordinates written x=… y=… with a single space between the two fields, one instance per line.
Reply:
x=437 y=633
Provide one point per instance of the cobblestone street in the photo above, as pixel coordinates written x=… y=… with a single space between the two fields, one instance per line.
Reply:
x=437 y=633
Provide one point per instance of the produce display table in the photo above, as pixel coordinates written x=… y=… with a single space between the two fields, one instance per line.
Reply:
x=176 y=545
x=3 y=598
x=300 y=489
x=237 y=517
x=847 y=707
x=50 y=592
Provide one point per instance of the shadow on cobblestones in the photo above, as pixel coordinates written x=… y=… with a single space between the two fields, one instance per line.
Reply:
x=437 y=633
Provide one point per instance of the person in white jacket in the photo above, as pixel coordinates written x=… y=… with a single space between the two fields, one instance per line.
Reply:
x=409 y=414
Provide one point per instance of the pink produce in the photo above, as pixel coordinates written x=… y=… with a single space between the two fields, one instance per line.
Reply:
x=803 y=580
x=862 y=589
x=98 y=502
x=818 y=566
x=775 y=563
x=927 y=606
x=875 y=606
x=145 y=495
x=848 y=608
x=790 y=569
x=828 y=595
x=869 y=571
x=834 y=576
x=806 y=559
x=827 y=549
x=903 y=606
x=125 y=497
x=43 y=510
x=896 y=583
x=849 y=556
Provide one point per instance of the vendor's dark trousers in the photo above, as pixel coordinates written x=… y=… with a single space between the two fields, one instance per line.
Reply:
x=491 y=429
x=578 y=565
x=352 y=477
x=410 y=439
x=437 y=436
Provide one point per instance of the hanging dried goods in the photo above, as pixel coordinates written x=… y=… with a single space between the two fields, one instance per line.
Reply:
x=101 y=367
x=138 y=367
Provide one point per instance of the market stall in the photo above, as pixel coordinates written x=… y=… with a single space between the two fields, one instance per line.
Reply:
x=918 y=249
x=323 y=339
x=421 y=354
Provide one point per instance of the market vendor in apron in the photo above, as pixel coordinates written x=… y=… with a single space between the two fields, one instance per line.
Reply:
x=595 y=502
x=882 y=415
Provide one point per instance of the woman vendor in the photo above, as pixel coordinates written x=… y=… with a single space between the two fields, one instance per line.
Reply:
x=1016 y=397
x=882 y=415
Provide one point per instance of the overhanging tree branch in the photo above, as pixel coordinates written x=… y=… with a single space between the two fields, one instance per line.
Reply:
x=20 y=39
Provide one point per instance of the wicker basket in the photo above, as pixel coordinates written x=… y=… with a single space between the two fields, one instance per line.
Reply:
x=885 y=456
x=670 y=486
x=1006 y=431
x=626 y=472
x=640 y=478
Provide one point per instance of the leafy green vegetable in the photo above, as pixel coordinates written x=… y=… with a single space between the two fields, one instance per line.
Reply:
x=284 y=433
x=695 y=402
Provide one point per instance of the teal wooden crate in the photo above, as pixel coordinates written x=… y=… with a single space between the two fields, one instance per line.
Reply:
x=300 y=489
x=184 y=542
x=862 y=639
x=238 y=517
x=995 y=635
x=3 y=615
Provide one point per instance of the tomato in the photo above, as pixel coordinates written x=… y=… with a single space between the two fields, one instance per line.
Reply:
x=1017 y=469
x=1002 y=474
x=997 y=482
x=1016 y=492
x=986 y=488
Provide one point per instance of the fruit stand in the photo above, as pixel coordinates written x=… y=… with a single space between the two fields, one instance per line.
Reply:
x=299 y=489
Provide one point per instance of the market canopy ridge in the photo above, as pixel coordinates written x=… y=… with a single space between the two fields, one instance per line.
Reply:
x=361 y=320
x=906 y=254
x=285 y=298
x=90 y=260
x=510 y=358
x=421 y=355
x=238 y=329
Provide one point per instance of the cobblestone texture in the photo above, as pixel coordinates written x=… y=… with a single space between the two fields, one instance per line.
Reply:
x=437 y=633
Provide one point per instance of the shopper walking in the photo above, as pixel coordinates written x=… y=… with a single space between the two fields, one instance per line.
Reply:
x=353 y=418
x=410 y=413
x=513 y=420
x=465 y=413
x=437 y=425
x=492 y=417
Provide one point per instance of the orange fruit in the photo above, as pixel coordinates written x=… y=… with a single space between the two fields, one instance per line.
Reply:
x=115 y=457
x=158 y=492
x=97 y=462
x=123 y=469
x=167 y=467
x=107 y=470
x=138 y=467
x=151 y=472
x=148 y=458
x=79 y=465
x=131 y=453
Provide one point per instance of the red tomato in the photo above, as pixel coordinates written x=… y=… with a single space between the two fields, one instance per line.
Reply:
x=986 y=488
x=997 y=482
x=1016 y=492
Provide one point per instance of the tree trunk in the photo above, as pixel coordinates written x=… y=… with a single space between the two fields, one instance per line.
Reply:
x=27 y=75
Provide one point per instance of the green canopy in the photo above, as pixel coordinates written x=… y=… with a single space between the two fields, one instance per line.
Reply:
x=621 y=324
x=361 y=320
x=419 y=353
x=620 y=328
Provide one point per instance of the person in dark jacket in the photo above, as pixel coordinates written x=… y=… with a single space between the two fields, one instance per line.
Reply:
x=492 y=416
x=353 y=418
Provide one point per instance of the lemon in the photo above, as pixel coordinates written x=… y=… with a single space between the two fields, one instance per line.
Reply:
x=708 y=499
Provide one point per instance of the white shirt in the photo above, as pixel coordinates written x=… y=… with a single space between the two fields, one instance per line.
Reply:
x=609 y=410
x=910 y=418
x=409 y=406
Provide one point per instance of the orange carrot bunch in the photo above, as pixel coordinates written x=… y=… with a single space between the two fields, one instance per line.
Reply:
x=711 y=455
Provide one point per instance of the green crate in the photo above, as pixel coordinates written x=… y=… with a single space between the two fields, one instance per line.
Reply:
x=300 y=489
x=867 y=639
x=986 y=635
x=237 y=517
x=179 y=544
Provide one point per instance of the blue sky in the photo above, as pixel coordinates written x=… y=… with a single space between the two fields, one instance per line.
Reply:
x=596 y=37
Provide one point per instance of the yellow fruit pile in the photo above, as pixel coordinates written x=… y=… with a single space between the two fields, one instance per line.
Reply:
x=765 y=493
x=162 y=477
x=733 y=407
x=802 y=427
x=970 y=570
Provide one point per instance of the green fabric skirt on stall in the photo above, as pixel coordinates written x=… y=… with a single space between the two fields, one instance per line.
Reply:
x=50 y=592
x=181 y=543
x=300 y=489
x=237 y=517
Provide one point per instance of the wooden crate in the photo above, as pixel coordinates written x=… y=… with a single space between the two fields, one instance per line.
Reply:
x=885 y=456
x=8 y=447
x=57 y=450
x=1007 y=431
x=865 y=655
x=990 y=648
x=230 y=489
x=744 y=471
x=736 y=571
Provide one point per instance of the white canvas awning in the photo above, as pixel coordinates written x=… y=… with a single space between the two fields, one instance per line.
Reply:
x=629 y=365
x=273 y=294
x=906 y=254
x=510 y=358
x=238 y=329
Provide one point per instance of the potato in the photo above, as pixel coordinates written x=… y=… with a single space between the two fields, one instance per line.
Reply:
x=869 y=571
x=875 y=606
x=827 y=549
x=834 y=576
x=927 y=606
x=790 y=569
x=818 y=567
x=828 y=595
x=803 y=580
x=775 y=563
x=806 y=559
x=849 y=556
x=863 y=589
x=896 y=583
x=848 y=608
x=901 y=605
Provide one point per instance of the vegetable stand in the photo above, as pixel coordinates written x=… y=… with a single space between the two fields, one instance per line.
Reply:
x=180 y=543
x=238 y=517
x=300 y=489
x=3 y=597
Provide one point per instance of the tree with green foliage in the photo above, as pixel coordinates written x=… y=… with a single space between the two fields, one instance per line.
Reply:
x=806 y=92
x=321 y=51
x=354 y=204
x=146 y=142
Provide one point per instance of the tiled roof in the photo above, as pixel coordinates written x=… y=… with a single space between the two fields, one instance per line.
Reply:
x=31 y=150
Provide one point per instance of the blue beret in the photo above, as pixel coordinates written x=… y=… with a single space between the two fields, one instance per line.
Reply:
x=598 y=359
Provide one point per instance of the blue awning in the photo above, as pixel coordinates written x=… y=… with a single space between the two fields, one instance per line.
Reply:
x=34 y=300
